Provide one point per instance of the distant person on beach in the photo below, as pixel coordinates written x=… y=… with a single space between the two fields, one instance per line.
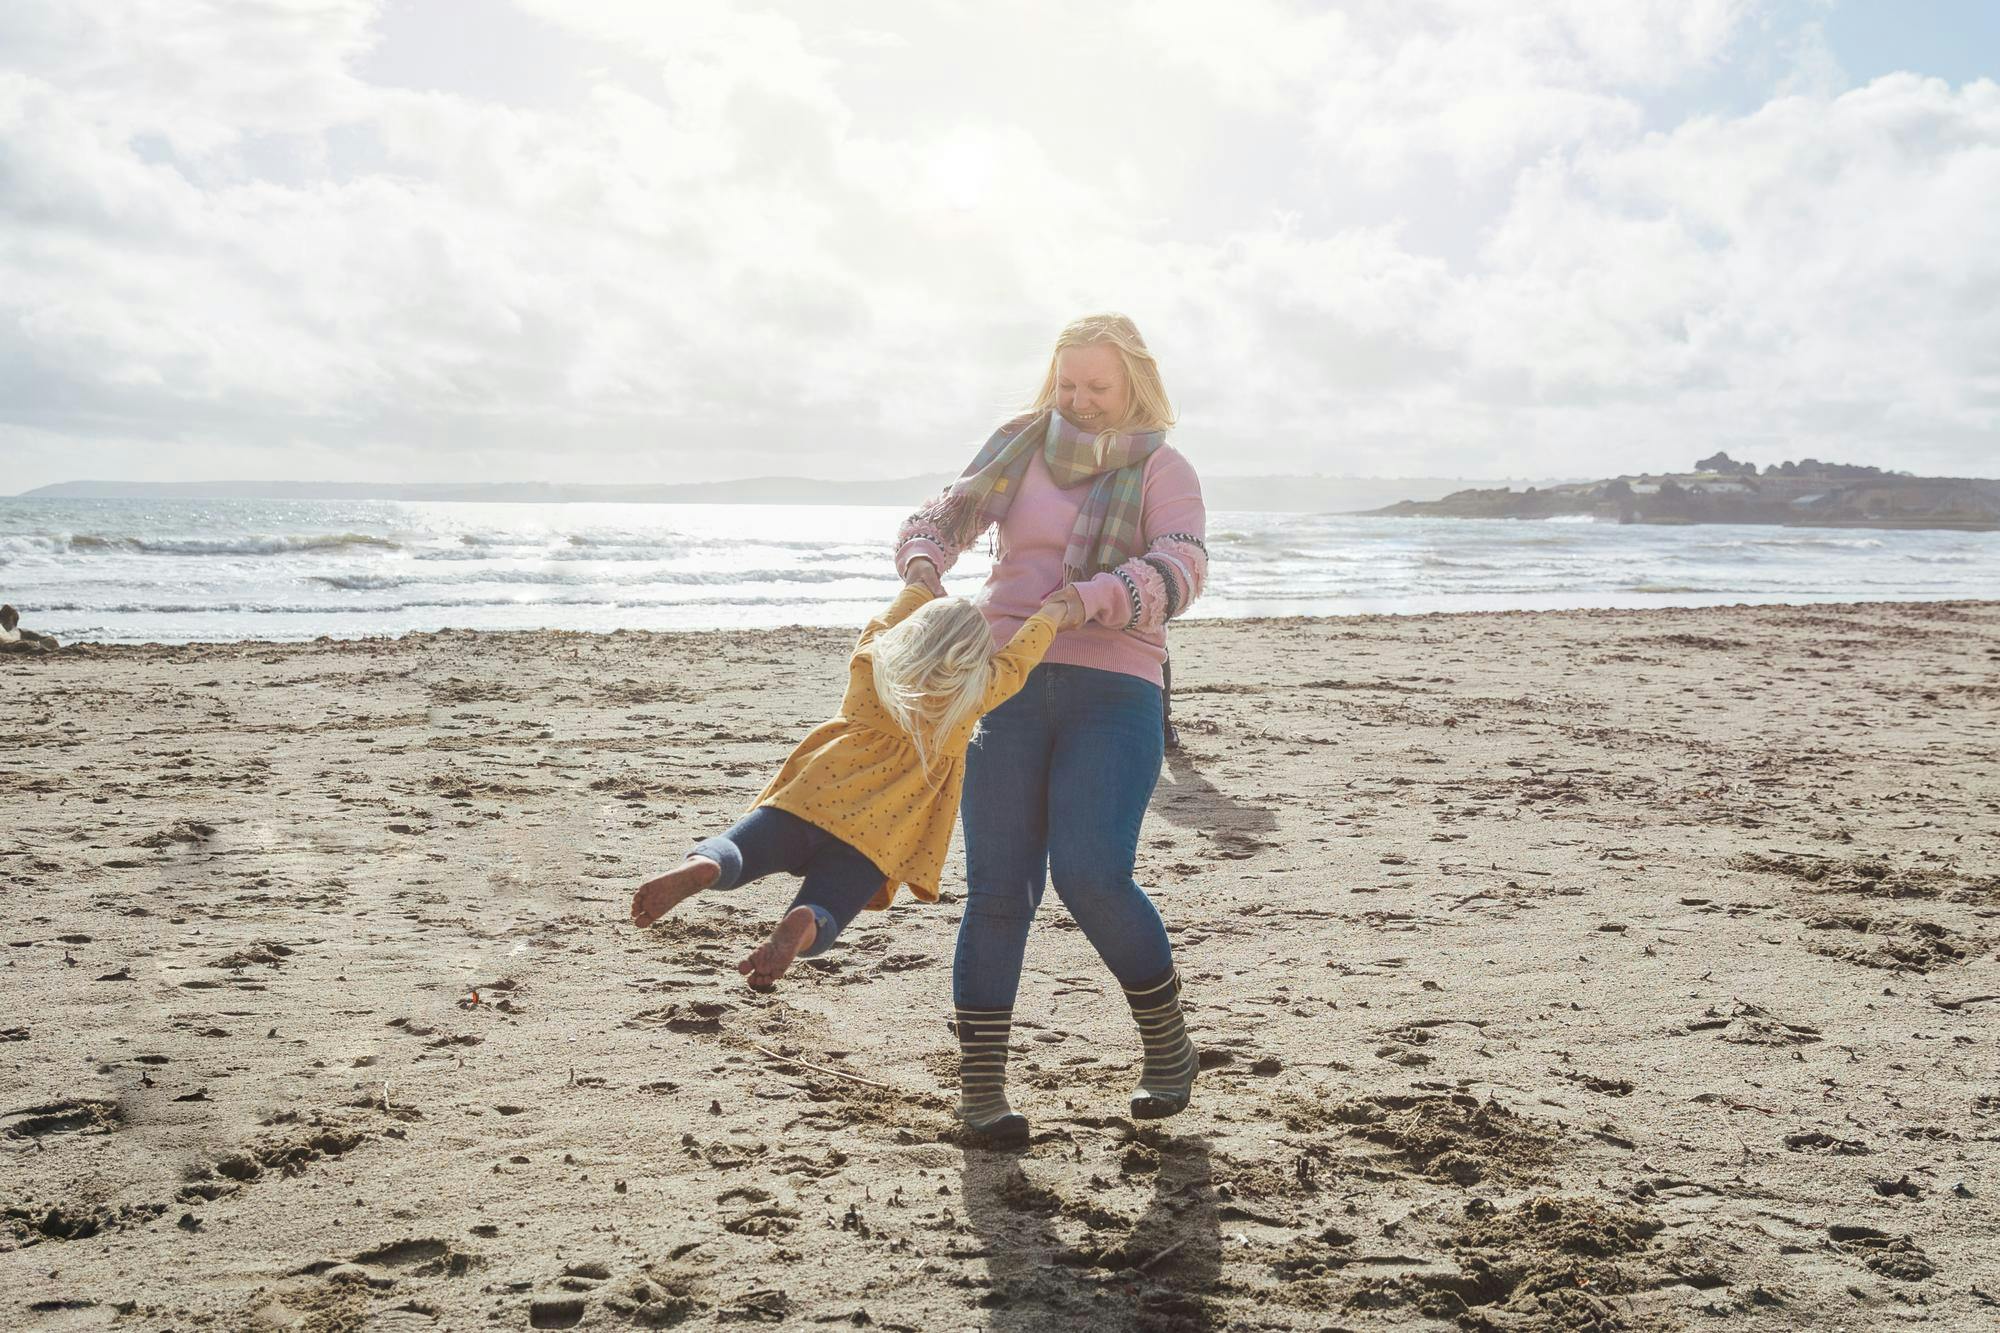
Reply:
x=1086 y=492
x=866 y=802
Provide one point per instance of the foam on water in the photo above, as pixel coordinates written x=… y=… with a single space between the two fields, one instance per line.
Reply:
x=171 y=571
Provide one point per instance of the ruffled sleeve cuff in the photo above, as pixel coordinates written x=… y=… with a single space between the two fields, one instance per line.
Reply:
x=921 y=548
x=1143 y=594
x=918 y=537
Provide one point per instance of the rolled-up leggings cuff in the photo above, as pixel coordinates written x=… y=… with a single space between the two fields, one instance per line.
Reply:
x=723 y=850
x=724 y=853
x=828 y=930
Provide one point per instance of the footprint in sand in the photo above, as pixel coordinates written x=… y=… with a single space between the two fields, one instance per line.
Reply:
x=652 y=1298
x=32 y=1222
x=693 y=1016
x=382 y=1266
x=1896 y=1257
x=556 y=1312
x=86 y=1116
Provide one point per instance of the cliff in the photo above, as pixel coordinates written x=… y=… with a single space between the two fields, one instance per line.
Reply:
x=1807 y=493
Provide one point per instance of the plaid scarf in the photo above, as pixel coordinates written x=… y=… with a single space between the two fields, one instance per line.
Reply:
x=1109 y=528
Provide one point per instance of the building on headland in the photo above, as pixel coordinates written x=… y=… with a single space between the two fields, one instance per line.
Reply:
x=1805 y=493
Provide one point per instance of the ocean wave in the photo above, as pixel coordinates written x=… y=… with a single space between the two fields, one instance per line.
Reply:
x=612 y=539
x=612 y=555
x=255 y=570
x=1430 y=560
x=637 y=547
x=878 y=598
x=484 y=540
x=247 y=545
x=1325 y=556
x=582 y=545
x=1830 y=543
x=541 y=551
x=29 y=550
x=363 y=582
x=367 y=582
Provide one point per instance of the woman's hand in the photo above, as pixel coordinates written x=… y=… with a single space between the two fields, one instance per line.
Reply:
x=920 y=570
x=1066 y=607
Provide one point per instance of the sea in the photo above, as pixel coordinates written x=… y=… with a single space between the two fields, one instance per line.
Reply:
x=176 y=571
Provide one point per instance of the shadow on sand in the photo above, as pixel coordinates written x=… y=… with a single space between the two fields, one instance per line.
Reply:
x=1057 y=1259
x=1186 y=799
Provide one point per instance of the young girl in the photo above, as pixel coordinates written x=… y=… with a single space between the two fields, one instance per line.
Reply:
x=867 y=801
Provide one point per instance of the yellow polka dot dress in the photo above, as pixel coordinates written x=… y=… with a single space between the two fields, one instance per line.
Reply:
x=859 y=778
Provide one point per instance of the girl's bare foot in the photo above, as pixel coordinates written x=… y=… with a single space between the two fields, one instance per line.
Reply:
x=657 y=897
x=789 y=938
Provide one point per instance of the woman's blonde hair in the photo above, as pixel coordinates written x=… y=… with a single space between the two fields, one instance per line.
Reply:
x=1150 y=408
x=931 y=672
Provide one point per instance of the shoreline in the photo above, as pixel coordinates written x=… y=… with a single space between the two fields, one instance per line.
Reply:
x=94 y=646
x=295 y=578
x=1545 y=965
x=1831 y=524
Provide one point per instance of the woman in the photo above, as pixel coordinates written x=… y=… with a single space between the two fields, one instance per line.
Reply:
x=1091 y=502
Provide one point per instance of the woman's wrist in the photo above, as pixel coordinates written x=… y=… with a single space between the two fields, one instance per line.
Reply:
x=1105 y=601
x=921 y=572
x=919 y=548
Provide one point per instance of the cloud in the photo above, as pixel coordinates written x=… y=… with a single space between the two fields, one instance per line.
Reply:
x=1387 y=89
x=1805 y=272
x=740 y=238
x=200 y=77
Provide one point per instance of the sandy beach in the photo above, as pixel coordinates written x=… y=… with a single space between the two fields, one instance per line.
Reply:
x=1558 y=971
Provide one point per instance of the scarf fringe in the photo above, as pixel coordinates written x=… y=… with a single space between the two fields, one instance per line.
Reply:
x=954 y=515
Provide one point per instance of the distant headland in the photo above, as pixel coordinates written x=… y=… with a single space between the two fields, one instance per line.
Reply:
x=1807 y=493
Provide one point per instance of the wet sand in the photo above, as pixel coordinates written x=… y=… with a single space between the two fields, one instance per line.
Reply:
x=1560 y=971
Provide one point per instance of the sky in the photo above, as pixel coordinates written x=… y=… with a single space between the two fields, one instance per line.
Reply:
x=621 y=240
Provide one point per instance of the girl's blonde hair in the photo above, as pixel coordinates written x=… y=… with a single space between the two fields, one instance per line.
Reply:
x=1150 y=409
x=931 y=672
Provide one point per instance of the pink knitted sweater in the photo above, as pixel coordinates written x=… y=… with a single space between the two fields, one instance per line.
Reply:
x=1128 y=607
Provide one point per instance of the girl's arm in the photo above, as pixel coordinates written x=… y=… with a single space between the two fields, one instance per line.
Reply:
x=1144 y=593
x=1021 y=654
x=907 y=601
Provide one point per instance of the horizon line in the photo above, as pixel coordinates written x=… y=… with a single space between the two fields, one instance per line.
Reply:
x=731 y=481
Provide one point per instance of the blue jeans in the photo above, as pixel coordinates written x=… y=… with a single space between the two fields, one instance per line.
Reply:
x=1056 y=788
x=839 y=881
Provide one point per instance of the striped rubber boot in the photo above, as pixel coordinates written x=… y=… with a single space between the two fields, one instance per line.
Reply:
x=982 y=1076
x=1167 y=1078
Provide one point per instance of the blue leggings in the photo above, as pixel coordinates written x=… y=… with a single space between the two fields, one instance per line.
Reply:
x=839 y=881
x=1056 y=788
